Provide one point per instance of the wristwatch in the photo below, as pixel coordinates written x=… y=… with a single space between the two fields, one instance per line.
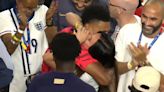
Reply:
x=129 y=65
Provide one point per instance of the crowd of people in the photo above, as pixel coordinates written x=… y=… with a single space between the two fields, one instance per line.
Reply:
x=81 y=46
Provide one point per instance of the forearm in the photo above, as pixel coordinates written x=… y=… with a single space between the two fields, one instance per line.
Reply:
x=10 y=43
x=50 y=33
x=73 y=18
x=162 y=83
x=99 y=73
x=122 y=67
x=49 y=61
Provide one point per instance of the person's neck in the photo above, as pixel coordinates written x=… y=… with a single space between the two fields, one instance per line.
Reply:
x=65 y=67
x=128 y=19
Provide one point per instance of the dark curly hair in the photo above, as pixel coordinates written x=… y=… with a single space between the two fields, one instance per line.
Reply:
x=95 y=12
x=65 y=47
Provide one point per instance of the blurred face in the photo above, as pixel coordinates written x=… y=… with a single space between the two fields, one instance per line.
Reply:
x=94 y=28
x=81 y=4
x=98 y=26
x=29 y=6
x=151 y=19
x=113 y=8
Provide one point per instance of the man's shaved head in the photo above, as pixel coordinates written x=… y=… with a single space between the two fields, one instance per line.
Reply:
x=127 y=4
x=159 y=3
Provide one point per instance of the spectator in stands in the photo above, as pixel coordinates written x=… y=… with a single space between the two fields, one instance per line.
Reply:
x=23 y=31
x=122 y=11
x=75 y=6
x=95 y=19
x=135 y=48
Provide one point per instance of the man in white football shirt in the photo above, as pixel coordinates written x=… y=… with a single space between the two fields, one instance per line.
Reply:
x=23 y=31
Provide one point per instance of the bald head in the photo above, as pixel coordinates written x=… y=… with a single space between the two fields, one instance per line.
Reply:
x=156 y=4
x=152 y=17
x=126 y=4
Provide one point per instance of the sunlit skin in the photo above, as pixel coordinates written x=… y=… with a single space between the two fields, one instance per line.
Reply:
x=94 y=28
x=81 y=4
x=152 y=20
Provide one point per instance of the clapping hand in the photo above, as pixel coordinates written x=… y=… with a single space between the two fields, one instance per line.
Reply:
x=139 y=53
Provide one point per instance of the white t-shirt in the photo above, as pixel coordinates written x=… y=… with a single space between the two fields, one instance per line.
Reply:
x=89 y=80
x=131 y=33
x=5 y=56
x=128 y=33
x=26 y=64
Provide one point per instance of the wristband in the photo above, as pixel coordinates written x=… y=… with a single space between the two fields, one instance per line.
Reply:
x=20 y=31
x=16 y=38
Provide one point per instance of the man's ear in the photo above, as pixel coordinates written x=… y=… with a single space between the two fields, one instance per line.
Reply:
x=120 y=10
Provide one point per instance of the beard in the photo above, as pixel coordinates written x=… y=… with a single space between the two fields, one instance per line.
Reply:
x=150 y=30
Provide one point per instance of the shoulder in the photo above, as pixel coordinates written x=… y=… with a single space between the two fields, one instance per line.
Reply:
x=80 y=85
x=42 y=9
x=132 y=27
x=4 y=14
x=6 y=24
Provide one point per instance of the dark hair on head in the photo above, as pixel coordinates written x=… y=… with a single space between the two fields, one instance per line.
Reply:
x=95 y=12
x=65 y=47
x=104 y=50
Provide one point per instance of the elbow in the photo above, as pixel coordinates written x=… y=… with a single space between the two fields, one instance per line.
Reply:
x=10 y=51
x=104 y=81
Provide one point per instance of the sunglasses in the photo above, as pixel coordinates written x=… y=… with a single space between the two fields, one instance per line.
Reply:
x=116 y=6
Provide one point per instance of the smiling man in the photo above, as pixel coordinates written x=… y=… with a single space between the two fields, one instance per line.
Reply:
x=141 y=47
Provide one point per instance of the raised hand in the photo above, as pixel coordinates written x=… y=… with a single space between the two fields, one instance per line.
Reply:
x=22 y=16
x=82 y=34
x=51 y=11
x=139 y=53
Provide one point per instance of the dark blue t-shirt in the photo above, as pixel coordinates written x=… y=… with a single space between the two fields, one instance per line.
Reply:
x=46 y=83
x=6 y=74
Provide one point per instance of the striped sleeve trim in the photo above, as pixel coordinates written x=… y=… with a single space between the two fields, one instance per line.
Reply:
x=5 y=32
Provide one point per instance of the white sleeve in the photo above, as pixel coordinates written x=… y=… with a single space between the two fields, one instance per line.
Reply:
x=5 y=56
x=6 y=23
x=120 y=45
x=43 y=10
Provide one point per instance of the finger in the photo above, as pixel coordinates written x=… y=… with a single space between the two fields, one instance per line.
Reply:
x=146 y=49
x=132 y=44
x=146 y=46
x=132 y=48
x=54 y=4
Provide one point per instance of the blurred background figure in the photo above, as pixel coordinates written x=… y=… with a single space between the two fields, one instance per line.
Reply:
x=75 y=6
